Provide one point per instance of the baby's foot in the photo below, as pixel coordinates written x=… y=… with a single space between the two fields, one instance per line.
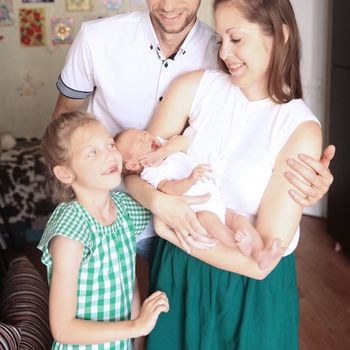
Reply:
x=244 y=242
x=269 y=255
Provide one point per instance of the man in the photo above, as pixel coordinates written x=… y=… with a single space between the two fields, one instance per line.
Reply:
x=124 y=64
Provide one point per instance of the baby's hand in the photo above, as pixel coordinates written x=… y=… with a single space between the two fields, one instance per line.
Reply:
x=200 y=173
x=150 y=310
x=152 y=158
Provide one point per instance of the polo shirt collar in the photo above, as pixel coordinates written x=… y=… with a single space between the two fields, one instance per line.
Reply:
x=152 y=39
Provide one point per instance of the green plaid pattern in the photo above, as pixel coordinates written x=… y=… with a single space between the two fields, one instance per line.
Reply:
x=107 y=272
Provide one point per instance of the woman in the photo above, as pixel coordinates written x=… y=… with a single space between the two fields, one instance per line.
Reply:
x=246 y=122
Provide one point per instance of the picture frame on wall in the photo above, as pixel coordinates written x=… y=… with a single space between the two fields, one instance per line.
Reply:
x=78 y=5
x=32 y=26
x=35 y=1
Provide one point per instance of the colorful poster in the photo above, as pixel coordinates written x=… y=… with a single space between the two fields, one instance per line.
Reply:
x=139 y=3
x=61 y=30
x=78 y=5
x=113 y=5
x=36 y=1
x=6 y=12
x=32 y=26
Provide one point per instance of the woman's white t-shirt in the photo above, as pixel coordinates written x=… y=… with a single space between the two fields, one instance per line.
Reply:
x=241 y=139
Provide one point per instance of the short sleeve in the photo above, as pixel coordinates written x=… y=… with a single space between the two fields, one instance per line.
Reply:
x=76 y=79
x=139 y=215
x=68 y=221
x=153 y=175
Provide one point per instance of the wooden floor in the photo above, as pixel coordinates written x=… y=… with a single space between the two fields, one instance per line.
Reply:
x=324 y=287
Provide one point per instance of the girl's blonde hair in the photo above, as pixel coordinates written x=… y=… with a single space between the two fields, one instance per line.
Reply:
x=55 y=148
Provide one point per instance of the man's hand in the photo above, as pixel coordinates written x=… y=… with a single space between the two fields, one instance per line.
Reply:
x=316 y=177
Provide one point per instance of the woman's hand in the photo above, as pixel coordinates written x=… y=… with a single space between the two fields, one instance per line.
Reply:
x=175 y=215
x=316 y=177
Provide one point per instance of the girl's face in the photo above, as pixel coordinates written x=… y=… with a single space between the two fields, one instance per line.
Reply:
x=245 y=50
x=95 y=161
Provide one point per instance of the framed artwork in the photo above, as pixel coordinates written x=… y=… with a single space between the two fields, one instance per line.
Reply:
x=6 y=12
x=139 y=3
x=112 y=5
x=61 y=30
x=32 y=26
x=35 y=1
x=78 y=5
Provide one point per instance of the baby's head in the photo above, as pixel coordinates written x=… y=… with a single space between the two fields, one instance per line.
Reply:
x=80 y=155
x=132 y=144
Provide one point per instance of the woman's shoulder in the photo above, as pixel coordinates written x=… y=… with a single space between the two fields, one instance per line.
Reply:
x=194 y=77
x=300 y=112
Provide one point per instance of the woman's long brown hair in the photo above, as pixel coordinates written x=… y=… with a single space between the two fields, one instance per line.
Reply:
x=284 y=82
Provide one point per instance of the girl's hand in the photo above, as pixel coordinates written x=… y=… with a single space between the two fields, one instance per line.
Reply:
x=200 y=173
x=179 y=218
x=316 y=181
x=151 y=159
x=150 y=310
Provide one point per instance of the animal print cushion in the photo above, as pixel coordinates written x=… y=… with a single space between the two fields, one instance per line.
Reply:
x=24 y=308
x=23 y=182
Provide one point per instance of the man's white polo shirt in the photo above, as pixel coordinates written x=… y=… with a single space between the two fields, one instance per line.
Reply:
x=118 y=60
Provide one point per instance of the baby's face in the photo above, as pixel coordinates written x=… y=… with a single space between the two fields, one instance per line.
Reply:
x=136 y=143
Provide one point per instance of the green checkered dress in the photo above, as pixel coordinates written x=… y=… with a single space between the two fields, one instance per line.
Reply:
x=107 y=271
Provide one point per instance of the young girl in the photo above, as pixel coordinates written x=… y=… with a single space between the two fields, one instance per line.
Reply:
x=89 y=243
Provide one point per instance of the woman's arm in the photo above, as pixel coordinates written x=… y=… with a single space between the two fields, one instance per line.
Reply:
x=173 y=111
x=173 y=210
x=169 y=120
x=278 y=215
x=67 y=255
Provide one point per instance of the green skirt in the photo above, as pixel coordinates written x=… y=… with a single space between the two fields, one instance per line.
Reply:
x=212 y=309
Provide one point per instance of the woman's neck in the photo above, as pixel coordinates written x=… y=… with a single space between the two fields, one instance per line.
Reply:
x=255 y=93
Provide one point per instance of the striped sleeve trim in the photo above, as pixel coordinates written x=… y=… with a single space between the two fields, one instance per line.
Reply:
x=69 y=92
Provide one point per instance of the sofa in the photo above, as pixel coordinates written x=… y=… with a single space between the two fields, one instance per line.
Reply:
x=24 y=320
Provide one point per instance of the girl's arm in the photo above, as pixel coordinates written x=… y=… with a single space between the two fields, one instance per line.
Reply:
x=67 y=255
x=278 y=215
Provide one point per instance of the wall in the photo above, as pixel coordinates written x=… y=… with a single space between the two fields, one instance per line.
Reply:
x=313 y=20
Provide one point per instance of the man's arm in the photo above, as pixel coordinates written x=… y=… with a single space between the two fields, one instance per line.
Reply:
x=315 y=180
x=66 y=104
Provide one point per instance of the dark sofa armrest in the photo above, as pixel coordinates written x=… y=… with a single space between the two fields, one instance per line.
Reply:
x=24 y=305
